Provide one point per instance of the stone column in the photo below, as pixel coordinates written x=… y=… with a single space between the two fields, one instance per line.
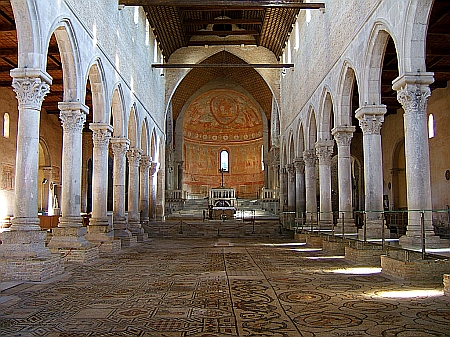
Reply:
x=283 y=190
x=309 y=157
x=153 y=189
x=48 y=175
x=299 y=165
x=324 y=151
x=134 y=157
x=343 y=136
x=413 y=92
x=145 y=163
x=120 y=147
x=23 y=255
x=291 y=187
x=69 y=238
x=100 y=230
x=371 y=117
x=160 y=193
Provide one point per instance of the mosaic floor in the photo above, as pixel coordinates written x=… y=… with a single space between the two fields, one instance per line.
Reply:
x=205 y=288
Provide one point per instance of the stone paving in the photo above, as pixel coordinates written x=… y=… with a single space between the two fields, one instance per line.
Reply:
x=227 y=287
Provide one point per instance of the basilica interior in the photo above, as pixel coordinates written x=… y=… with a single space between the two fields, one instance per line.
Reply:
x=224 y=168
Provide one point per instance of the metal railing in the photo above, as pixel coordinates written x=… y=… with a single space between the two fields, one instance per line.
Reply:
x=389 y=225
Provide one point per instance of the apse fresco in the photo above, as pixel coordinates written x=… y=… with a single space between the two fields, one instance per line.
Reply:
x=223 y=120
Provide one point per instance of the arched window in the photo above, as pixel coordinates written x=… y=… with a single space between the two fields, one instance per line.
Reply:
x=6 y=125
x=431 y=126
x=224 y=160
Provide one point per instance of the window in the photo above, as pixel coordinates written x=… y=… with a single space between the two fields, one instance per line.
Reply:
x=224 y=160
x=6 y=125
x=262 y=157
x=431 y=126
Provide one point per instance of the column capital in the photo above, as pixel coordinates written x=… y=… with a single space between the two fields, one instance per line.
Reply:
x=309 y=156
x=134 y=156
x=145 y=162
x=371 y=118
x=72 y=115
x=413 y=91
x=120 y=145
x=101 y=134
x=343 y=135
x=299 y=165
x=30 y=86
x=324 y=151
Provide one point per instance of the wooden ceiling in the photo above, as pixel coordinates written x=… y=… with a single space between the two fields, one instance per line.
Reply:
x=183 y=23
x=196 y=18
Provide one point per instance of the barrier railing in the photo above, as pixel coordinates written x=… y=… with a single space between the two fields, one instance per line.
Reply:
x=377 y=227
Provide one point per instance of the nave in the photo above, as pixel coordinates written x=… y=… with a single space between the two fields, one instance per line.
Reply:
x=222 y=286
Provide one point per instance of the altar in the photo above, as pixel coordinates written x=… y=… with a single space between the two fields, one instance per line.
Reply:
x=222 y=203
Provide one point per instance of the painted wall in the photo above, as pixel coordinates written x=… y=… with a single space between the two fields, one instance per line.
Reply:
x=217 y=120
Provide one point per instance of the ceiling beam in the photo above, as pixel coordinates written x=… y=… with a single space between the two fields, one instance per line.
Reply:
x=221 y=43
x=223 y=65
x=192 y=22
x=251 y=4
x=222 y=32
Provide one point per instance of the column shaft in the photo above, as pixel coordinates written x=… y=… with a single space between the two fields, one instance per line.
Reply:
x=291 y=187
x=324 y=151
x=309 y=157
x=145 y=163
x=300 y=185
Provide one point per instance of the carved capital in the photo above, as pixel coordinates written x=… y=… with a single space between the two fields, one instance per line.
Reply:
x=299 y=165
x=324 y=151
x=371 y=124
x=134 y=156
x=343 y=135
x=101 y=134
x=414 y=98
x=120 y=146
x=145 y=162
x=72 y=119
x=31 y=86
x=309 y=157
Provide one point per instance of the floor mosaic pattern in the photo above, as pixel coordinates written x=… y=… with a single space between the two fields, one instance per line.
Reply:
x=204 y=288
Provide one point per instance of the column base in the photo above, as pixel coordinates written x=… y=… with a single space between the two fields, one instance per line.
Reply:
x=374 y=230
x=72 y=244
x=125 y=236
x=70 y=221
x=103 y=237
x=24 y=257
x=415 y=242
x=137 y=231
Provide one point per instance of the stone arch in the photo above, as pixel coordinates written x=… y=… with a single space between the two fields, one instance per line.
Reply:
x=44 y=156
x=374 y=63
x=291 y=149
x=311 y=130
x=133 y=135
x=117 y=111
x=70 y=58
x=347 y=84
x=414 y=36
x=326 y=116
x=144 y=139
x=96 y=79
x=153 y=146
x=300 y=141
x=29 y=35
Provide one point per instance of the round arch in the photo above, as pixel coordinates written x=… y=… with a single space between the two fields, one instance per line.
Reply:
x=118 y=113
x=326 y=115
x=95 y=77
